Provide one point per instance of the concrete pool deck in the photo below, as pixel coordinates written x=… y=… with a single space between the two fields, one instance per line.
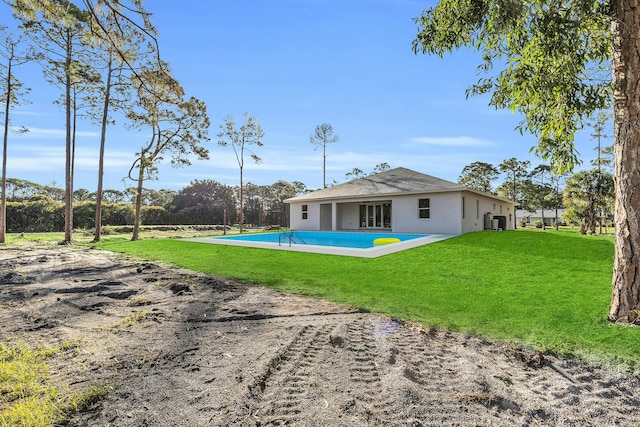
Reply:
x=374 y=252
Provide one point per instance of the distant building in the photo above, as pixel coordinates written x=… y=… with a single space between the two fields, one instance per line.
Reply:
x=402 y=201
x=549 y=217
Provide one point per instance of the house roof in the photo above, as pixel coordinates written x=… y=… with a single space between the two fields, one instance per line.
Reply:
x=388 y=183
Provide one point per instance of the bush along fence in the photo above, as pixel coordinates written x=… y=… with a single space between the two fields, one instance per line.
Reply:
x=46 y=215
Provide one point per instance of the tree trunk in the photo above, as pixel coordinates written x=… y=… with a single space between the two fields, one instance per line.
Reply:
x=625 y=301
x=3 y=203
x=241 y=202
x=103 y=137
x=68 y=194
x=138 y=215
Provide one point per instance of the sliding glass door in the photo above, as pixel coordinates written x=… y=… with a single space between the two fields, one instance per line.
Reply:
x=375 y=215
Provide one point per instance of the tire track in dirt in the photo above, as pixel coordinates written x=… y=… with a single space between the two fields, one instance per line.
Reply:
x=282 y=390
x=300 y=379
x=439 y=389
x=379 y=406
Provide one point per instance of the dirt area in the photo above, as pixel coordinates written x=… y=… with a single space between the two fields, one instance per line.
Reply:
x=198 y=350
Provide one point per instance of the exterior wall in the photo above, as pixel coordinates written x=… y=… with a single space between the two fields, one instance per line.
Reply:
x=446 y=213
x=349 y=216
x=444 y=209
x=326 y=217
x=476 y=206
x=312 y=223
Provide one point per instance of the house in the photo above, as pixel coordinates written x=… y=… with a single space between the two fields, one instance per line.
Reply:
x=529 y=218
x=402 y=201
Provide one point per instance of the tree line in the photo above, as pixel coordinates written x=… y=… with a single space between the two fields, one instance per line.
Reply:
x=34 y=207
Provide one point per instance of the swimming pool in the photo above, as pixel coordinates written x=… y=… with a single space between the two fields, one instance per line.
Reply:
x=345 y=243
x=358 y=240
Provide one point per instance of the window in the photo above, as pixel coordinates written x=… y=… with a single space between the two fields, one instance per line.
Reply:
x=424 y=211
x=305 y=211
x=477 y=209
x=463 y=213
x=500 y=209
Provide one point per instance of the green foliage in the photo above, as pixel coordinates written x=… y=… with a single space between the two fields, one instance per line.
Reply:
x=155 y=215
x=27 y=399
x=554 y=56
x=516 y=170
x=479 y=176
x=205 y=201
x=547 y=290
x=33 y=216
x=589 y=193
x=135 y=318
x=43 y=214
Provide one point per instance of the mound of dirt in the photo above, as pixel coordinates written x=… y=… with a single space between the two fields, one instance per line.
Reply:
x=187 y=349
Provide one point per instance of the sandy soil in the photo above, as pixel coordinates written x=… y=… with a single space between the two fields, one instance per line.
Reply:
x=211 y=352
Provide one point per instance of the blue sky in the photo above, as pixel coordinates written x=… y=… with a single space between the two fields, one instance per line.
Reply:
x=293 y=64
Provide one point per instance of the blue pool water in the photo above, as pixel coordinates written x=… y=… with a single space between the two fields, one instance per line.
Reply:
x=357 y=240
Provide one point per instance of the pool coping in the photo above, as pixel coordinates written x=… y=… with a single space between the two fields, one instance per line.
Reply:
x=374 y=252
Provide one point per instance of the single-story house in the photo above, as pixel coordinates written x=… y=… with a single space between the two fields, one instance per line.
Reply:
x=402 y=201
x=549 y=216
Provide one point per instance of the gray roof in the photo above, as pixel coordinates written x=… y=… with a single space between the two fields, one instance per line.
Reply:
x=391 y=182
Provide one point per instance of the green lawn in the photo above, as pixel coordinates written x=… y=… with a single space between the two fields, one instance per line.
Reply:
x=547 y=290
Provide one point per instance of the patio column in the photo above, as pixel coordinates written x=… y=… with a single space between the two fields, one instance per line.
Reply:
x=334 y=216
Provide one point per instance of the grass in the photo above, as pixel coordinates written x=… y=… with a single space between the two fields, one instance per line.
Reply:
x=26 y=396
x=546 y=290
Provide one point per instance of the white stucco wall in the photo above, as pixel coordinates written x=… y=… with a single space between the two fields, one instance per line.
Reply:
x=476 y=206
x=349 y=218
x=446 y=213
x=312 y=223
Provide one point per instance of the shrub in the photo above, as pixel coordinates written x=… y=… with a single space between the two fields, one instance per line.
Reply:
x=537 y=223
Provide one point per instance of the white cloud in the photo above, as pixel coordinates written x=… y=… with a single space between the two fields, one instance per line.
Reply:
x=44 y=133
x=452 y=141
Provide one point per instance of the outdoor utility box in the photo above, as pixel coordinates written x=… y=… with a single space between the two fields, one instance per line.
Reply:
x=488 y=221
x=502 y=222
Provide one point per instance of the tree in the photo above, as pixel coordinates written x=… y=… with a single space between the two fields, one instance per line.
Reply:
x=300 y=188
x=515 y=170
x=604 y=153
x=82 y=195
x=321 y=136
x=356 y=173
x=556 y=196
x=479 y=176
x=58 y=28
x=540 y=172
x=557 y=58
x=279 y=192
x=585 y=194
x=115 y=197
x=178 y=127
x=12 y=93
x=117 y=43
x=381 y=167
x=241 y=140
x=208 y=197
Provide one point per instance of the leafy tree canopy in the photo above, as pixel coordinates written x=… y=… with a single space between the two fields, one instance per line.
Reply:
x=479 y=176
x=555 y=59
